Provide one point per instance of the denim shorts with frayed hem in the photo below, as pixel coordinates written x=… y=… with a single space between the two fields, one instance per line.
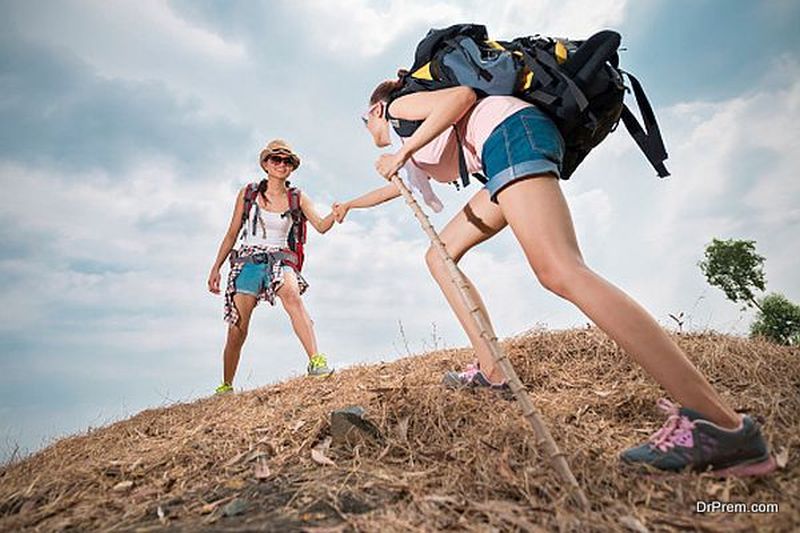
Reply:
x=255 y=278
x=525 y=144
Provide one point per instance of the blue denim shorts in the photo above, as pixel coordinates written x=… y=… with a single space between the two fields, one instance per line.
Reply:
x=524 y=144
x=255 y=278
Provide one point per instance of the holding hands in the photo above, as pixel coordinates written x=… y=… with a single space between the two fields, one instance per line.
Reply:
x=340 y=210
x=387 y=166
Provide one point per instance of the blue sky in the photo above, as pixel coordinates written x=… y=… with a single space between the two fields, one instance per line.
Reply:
x=127 y=128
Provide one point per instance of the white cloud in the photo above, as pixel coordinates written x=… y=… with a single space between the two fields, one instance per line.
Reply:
x=364 y=28
x=593 y=213
x=574 y=19
x=104 y=32
x=361 y=28
x=734 y=167
x=141 y=41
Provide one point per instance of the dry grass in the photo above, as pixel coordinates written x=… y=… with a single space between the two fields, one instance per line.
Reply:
x=449 y=460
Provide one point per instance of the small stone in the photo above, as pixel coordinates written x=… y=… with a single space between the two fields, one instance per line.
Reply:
x=634 y=524
x=123 y=486
x=349 y=426
x=162 y=515
x=236 y=507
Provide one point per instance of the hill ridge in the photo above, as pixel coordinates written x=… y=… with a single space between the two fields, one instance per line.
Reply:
x=448 y=459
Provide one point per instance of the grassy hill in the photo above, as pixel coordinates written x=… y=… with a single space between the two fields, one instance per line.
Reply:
x=446 y=459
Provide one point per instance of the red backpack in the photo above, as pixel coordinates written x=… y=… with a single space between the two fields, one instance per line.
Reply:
x=297 y=235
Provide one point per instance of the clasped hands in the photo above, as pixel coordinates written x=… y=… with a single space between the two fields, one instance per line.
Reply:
x=387 y=166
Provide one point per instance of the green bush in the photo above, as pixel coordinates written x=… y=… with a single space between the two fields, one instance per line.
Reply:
x=778 y=320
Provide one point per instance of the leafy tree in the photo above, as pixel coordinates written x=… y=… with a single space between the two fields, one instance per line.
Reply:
x=778 y=320
x=736 y=268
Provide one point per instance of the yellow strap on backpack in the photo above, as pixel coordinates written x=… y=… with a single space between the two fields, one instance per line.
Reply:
x=527 y=80
x=498 y=46
x=423 y=72
x=560 y=52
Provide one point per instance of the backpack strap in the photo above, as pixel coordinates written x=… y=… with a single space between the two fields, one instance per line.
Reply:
x=648 y=138
x=403 y=127
x=546 y=70
x=297 y=234
x=298 y=217
x=406 y=128
x=462 y=163
x=592 y=55
x=250 y=194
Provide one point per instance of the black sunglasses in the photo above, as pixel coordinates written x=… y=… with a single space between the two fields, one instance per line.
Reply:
x=277 y=160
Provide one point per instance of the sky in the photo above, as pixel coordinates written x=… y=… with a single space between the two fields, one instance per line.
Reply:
x=127 y=128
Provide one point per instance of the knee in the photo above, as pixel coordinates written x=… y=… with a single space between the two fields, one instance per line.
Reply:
x=562 y=277
x=238 y=332
x=432 y=260
x=291 y=301
x=435 y=263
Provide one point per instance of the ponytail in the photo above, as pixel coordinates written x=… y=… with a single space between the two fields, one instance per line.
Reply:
x=386 y=88
x=262 y=188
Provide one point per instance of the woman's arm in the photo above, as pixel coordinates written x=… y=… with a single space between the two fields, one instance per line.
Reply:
x=322 y=225
x=227 y=243
x=438 y=110
x=370 y=199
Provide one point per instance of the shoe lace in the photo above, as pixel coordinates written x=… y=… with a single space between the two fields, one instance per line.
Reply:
x=677 y=430
x=470 y=372
x=318 y=361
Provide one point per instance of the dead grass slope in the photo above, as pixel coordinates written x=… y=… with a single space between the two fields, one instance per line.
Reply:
x=449 y=460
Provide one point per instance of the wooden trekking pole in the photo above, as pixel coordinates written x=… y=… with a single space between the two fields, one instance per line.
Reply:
x=529 y=411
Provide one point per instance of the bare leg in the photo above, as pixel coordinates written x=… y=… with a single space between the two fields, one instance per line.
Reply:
x=479 y=220
x=539 y=217
x=237 y=334
x=289 y=293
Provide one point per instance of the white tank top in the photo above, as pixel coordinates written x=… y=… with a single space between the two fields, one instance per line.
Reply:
x=272 y=229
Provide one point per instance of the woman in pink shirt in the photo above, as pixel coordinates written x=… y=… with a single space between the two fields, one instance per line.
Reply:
x=520 y=151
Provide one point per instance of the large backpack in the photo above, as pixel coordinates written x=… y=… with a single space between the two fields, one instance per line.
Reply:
x=297 y=235
x=578 y=84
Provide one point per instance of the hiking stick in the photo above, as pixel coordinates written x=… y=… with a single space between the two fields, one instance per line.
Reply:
x=529 y=411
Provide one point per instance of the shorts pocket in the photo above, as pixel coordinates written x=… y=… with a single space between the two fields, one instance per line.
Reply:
x=543 y=136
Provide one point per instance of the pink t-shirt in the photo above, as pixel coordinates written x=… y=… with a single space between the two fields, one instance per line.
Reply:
x=439 y=158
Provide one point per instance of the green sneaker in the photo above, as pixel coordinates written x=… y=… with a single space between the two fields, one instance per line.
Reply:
x=224 y=388
x=318 y=366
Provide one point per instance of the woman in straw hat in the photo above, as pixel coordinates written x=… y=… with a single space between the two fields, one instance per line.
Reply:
x=269 y=219
x=520 y=151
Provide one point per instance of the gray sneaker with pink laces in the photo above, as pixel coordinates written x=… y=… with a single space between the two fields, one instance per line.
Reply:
x=687 y=441
x=472 y=377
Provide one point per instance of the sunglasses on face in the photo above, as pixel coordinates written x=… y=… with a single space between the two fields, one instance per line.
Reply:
x=277 y=160
x=365 y=116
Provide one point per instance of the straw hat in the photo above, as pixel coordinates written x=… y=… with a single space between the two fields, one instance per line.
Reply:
x=278 y=147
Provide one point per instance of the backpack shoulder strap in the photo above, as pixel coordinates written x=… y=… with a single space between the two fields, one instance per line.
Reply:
x=648 y=138
x=403 y=127
x=297 y=234
x=250 y=194
x=294 y=202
